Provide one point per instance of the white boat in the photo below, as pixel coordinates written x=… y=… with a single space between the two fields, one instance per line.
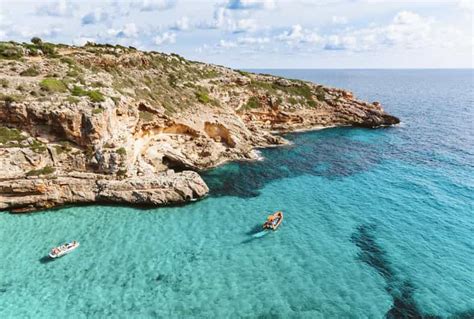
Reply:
x=63 y=249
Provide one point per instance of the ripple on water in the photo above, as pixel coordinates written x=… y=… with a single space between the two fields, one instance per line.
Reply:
x=377 y=223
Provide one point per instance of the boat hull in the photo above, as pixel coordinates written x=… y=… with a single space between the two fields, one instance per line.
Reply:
x=274 y=225
x=62 y=250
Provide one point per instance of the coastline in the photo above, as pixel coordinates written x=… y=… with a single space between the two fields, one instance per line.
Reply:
x=124 y=146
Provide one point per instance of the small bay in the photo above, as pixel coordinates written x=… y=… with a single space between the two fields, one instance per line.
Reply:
x=377 y=223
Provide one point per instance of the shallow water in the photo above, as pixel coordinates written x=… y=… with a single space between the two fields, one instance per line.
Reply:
x=377 y=223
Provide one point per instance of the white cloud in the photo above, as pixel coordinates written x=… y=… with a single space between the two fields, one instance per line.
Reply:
x=223 y=19
x=407 y=17
x=250 y=4
x=297 y=34
x=407 y=30
x=339 y=20
x=335 y=42
x=466 y=5
x=129 y=30
x=249 y=43
x=4 y=22
x=250 y=26
x=253 y=40
x=27 y=33
x=243 y=25
x=203 y=48
x=61 y=8
x=165 y=38
x=94 y=17
x=219 y=19
x=181 y=24
x=154 y=5
x=227 y=44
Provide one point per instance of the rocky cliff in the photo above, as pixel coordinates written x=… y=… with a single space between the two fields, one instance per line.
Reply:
x=104 y=123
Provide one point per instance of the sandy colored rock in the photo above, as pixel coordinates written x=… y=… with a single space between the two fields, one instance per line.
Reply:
x=117 y=125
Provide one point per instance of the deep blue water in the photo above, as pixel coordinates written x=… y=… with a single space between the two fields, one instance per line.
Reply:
x=378 y=223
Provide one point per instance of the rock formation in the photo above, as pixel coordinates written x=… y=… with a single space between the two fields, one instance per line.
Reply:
x=110 y=124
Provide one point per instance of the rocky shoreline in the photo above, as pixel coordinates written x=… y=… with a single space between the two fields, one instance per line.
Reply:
x=108 y=124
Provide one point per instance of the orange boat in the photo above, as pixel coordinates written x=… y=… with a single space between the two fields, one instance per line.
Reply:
x=273 y=221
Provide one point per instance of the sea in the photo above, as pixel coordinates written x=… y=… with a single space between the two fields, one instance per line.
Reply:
x=378 y=223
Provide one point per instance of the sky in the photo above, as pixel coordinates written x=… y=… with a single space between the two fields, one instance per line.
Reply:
x=261 y=33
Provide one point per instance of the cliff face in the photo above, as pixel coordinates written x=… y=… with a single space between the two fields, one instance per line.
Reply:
x=113 y=124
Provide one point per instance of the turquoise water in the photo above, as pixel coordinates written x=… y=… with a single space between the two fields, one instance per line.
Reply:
x=378 y=223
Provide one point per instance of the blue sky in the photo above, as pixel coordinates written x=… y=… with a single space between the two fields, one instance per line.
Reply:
x=261 y=33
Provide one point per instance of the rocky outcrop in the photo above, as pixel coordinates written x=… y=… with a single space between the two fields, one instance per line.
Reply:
x=27 y=194
x=115 y=125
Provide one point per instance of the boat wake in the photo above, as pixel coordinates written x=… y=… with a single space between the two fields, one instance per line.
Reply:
x=260 y=234
x=255 y=233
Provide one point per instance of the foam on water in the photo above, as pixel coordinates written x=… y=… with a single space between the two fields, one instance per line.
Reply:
x=377 y=223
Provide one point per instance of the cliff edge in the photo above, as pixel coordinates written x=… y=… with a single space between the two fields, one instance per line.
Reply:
x=111 y=124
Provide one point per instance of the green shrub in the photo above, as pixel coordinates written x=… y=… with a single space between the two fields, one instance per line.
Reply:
x=53 y=85
x=311 y=103
x=42 y=171
x=252 y=103
x=108 y=145
x=172 y=80
x=78 y=91
x=67 y=60
x=244 y=73
x=297 y=88
x=10 y=51
x=202 y=97
x=8 y=134
x=37 y=147
x=73 y=72
x=97 y=110
x=146 y=116
x=95 y=96
x=256 y=84
x=122 y=151
x=4 y=83
x=122 y=172
x=116 y=100
x=320 y=94
x=64 y=146
x=209 y=74
x=36 y=40
x=31 y=71
x=10 y=98
x=90 y=152
x=73 y=100
x=292 y=100
x=32 y=49
x=47 y=48
x=97 y=84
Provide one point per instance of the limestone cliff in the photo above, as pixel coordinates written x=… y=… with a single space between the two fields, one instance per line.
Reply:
x=104 y=123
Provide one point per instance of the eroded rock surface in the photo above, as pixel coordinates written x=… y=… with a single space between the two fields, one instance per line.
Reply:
x=116 y=125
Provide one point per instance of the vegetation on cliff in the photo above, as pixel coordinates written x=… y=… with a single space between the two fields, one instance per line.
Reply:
x=117 y=114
